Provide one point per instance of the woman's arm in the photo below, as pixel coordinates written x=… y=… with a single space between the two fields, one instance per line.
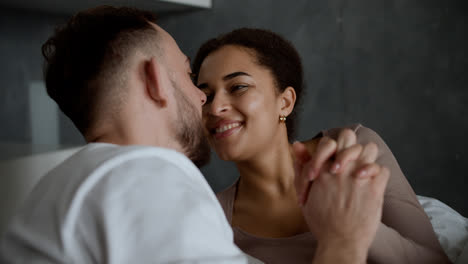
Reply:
x=405 y=234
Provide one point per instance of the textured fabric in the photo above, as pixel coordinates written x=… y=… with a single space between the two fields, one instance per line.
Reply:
x=450 y=227
x=112 y=204
x=405 y=234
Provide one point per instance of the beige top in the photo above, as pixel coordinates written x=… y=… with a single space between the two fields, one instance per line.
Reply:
x=404 y=236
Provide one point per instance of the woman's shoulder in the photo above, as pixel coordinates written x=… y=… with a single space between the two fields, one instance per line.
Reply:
x=334 y=132
x=364 y=134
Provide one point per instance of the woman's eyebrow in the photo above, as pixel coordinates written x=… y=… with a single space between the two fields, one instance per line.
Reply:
x=234 y=75
x=226 y=78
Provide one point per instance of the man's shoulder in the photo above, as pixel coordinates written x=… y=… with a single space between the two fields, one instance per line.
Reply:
x=99 y=173
x=105 y=169
x=98 y=159
x=109 y=166
x=118 y=187
x=109 y=155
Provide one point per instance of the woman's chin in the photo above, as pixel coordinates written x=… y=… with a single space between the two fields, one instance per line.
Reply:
x=224 y=150
x=226 y=155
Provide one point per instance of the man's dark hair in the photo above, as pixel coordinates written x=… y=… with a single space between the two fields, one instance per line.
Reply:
x=271 y=51
x=85 y=60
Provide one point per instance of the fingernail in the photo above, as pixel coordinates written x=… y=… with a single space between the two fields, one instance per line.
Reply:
x=335 y=168
x=363 y=173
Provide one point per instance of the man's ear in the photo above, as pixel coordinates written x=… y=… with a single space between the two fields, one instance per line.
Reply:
x=288 y=100
x=154 y=82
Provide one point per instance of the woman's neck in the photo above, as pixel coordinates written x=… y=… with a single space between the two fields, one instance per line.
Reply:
x=270 y=174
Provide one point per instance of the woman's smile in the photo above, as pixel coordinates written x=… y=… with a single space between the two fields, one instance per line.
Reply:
x=224 y=131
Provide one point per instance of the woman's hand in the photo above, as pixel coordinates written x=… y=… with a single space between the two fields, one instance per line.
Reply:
x=310 y=157
x=343 y=205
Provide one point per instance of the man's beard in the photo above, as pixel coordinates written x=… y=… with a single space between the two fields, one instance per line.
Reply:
x=189 y=130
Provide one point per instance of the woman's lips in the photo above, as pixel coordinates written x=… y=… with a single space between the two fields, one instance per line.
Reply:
x=226 y=130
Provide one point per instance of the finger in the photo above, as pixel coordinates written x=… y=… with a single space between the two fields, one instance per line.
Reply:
x=300 y=152
x=325 y=150
x=367 y=171
x=344 y=157
x=310 y=145
x=381 y=180
x=346 y=139
x=369 y=153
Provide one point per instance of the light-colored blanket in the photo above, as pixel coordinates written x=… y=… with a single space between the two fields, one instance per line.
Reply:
x=450 y=227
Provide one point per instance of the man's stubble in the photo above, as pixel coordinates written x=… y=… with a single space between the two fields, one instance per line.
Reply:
x=189 y=130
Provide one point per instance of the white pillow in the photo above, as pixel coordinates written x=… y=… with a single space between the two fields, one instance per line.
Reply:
x=450 y=227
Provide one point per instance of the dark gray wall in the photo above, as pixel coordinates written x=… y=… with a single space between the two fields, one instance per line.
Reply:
x=21 y=37
x=398 y=67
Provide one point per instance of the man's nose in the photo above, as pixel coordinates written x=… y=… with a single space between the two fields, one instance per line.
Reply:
x=202 y=96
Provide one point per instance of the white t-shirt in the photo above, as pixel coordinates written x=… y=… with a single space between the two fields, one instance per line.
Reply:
x=114 y=204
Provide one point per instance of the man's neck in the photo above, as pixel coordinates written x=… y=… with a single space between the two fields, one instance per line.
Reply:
x=133 y=135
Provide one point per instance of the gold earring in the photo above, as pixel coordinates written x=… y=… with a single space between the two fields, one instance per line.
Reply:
x=282 y=119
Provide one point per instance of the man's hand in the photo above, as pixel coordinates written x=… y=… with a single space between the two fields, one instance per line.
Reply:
x=310 y=157
x=343 y=205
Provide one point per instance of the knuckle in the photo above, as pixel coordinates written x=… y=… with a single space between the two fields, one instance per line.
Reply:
x=342 y=155
x=372 y=147
x=323 y=141
x=357 y=146
x=348 y=135
x=347 y=132
x=373 y=169
x=326 y=148
x=356 y=149
x=330 y=142
x=376 y=166
x=350 y=152
x=386 y=173
x=385 y=170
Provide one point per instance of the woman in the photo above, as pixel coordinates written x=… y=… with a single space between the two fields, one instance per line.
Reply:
x=253 y=80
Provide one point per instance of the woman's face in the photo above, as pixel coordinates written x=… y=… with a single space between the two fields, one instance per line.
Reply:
x=241 y=115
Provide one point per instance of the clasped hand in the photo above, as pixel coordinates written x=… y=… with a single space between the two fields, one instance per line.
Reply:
x=340 y=188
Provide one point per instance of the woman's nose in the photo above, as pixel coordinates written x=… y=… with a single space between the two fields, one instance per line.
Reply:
x=219 y=105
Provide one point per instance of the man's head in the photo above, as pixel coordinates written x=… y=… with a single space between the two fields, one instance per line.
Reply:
x=86 y=60
x=119 y=76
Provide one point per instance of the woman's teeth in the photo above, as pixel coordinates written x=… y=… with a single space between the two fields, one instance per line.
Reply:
x=226 y=127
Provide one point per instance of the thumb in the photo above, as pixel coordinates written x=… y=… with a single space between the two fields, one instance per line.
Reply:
x=300 y=153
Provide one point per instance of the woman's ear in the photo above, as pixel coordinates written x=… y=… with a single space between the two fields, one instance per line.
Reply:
x=154 y=84
x=288 y=100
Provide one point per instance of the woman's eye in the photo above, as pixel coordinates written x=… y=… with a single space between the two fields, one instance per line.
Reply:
x=209 y=96
x=238 y=87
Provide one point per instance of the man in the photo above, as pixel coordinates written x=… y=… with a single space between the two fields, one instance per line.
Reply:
x=131 y=196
